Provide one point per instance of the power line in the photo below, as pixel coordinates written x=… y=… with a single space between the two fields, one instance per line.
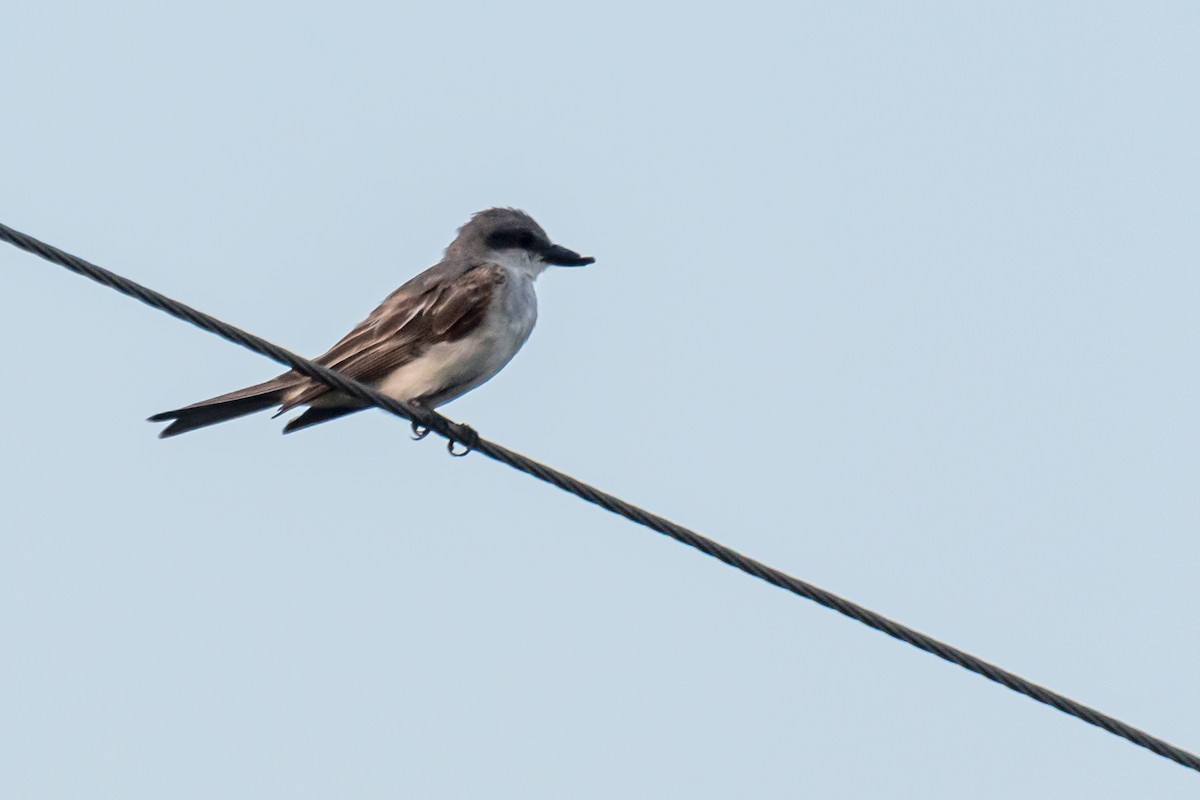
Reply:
x=455 y=432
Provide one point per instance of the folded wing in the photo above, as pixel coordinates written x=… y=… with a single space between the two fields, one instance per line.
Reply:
x=405 y=326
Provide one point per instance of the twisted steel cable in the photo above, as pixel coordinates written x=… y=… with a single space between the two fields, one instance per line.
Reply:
x=455 y=432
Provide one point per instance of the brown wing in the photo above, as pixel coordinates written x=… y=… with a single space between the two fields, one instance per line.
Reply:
x=407 y=324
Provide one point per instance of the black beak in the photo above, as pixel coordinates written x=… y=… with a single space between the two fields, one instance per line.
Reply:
x=562 y=257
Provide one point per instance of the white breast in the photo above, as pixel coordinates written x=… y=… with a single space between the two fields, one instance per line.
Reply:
x=449 y=370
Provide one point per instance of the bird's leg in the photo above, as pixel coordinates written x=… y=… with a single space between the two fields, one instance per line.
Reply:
x=464 y=435
x=419 y=431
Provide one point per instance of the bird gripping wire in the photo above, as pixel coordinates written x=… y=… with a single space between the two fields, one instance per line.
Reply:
x=423 y=419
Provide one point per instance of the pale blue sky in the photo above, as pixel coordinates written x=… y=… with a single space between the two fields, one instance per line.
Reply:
x=898 y=297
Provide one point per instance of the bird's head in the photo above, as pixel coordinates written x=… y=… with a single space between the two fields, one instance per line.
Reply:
x=511 y=237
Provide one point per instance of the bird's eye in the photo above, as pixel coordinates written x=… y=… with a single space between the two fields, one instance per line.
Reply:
x=513 y=238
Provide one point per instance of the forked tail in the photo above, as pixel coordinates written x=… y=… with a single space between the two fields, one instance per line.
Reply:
x=226 y=407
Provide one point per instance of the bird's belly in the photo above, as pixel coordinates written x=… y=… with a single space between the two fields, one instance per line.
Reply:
x=449 y=369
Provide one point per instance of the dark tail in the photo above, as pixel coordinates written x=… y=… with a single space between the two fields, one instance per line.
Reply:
x=226 y=407
x=315 y=416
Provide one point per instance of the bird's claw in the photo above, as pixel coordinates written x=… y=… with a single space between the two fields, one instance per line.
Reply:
x=467 y=437
x=464 y=436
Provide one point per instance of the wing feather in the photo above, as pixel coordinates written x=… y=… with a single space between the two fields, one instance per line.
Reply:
x=406 y=325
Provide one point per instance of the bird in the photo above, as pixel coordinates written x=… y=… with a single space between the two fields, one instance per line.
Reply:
x=443 y=333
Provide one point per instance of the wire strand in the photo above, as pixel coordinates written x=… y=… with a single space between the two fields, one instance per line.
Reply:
x=455 y=432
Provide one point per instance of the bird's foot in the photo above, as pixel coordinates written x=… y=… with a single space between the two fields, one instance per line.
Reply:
x=464 y=435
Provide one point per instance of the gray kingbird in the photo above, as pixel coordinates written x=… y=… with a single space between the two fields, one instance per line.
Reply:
x=437 y=337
